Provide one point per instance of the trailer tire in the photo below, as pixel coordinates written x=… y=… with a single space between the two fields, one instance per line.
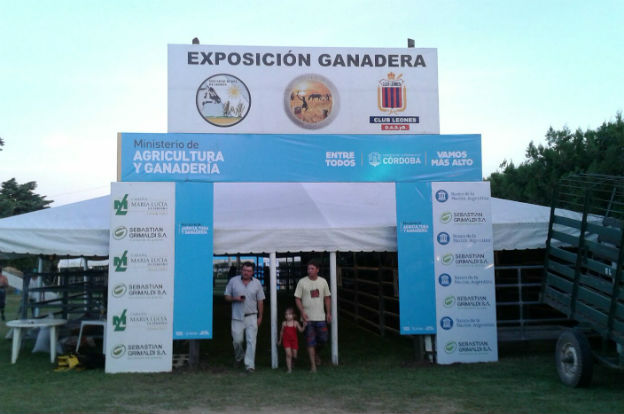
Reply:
x=573 y=356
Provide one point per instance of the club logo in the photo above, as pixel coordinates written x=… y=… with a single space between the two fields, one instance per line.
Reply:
x=121 y=206
x=223 y=100
x=446 y=217
x=392 y=99
x=311 y=101
x=391 y=94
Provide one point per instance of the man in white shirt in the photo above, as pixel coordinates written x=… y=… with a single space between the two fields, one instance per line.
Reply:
x=247 y=297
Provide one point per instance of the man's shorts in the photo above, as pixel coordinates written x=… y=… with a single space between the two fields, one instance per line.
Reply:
x=316 y=333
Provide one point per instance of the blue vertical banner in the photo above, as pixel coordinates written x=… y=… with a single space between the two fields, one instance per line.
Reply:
x=192 y=311
x=416 y=261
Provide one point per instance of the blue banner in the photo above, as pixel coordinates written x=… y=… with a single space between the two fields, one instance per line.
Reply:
x=416 y=260
x=193 y=284
x=299 y=158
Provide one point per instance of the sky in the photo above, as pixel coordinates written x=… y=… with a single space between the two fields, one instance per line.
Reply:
x=75 y=73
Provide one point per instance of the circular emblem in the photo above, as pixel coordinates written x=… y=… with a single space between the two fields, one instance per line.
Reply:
x=448 y=258
x=223 y=100
x=120 y=232
x=445 y=279
x=444 y=238
x=119 y=290
x=311 y=101
x=441 y=196
x=450 y=347
x=118 y=351
x=449 y=301
x=446 y=217
x=446 y=323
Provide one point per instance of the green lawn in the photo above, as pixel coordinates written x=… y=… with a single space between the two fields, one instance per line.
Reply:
x=375 y=375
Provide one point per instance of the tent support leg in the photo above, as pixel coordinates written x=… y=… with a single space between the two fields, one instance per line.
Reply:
x=334 y=307
x=273 y=289
x=194 y=353
x=419 y=354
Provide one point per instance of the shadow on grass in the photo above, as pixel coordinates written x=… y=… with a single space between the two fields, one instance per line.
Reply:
x=375 y=374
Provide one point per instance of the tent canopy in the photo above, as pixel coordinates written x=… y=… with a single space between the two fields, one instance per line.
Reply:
x=266 y=217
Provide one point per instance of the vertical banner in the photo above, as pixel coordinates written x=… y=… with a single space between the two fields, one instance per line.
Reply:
x=140 y=281
x=193 y=265
x=415 y=251
x=464 y=272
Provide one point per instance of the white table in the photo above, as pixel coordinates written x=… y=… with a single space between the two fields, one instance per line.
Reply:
x=19 y=324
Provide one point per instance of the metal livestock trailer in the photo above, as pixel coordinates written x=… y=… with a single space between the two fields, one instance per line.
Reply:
x=584 y=275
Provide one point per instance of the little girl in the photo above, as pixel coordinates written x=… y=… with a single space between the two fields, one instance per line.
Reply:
x=288 y=335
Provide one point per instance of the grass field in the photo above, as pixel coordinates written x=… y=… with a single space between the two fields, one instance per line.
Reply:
x=375 y=375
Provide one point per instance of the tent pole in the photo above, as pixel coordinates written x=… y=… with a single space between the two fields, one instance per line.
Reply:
x=35 y=310
x=273 y=293
x=334 y=308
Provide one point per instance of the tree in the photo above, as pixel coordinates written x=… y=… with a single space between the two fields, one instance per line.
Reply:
x=19 y=198
x=565 y=153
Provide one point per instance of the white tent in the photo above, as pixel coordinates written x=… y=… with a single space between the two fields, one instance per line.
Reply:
x=266 y=217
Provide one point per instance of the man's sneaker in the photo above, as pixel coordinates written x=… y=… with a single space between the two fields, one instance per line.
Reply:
x=238 y=364
x=250 y=370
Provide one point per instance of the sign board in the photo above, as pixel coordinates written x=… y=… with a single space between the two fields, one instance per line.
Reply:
x=295 y=90
x=464 y=273
x=298 y=158
x=415 y=258
x=192 y=312
x=446 y=268
x=160 y=255
x=140 y=278
x=229 y=108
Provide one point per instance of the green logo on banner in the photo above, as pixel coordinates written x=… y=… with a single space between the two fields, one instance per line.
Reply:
x=120 y=321
x=450 y=347
x=119 y=290
x=448 y=258
x=118 y=351
x=449 y=301
x=121 y=206
x=446 y=217
x=120 y=232
x=121 y=263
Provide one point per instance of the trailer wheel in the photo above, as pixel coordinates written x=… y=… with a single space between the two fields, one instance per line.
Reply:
x=574 y=359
